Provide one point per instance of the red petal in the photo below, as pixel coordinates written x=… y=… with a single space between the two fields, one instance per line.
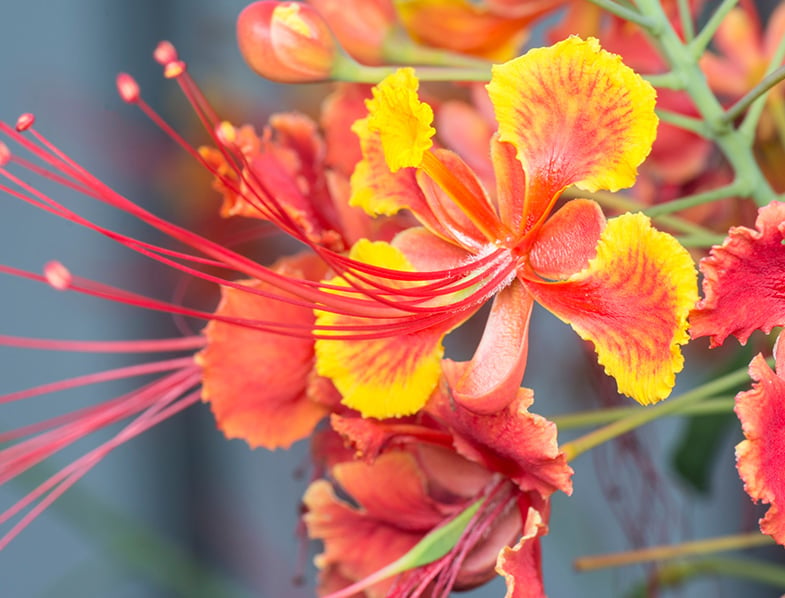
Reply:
x=568 y=240
x=521 y=566
x=514 y=442
x=743 y=281
x=760 y=458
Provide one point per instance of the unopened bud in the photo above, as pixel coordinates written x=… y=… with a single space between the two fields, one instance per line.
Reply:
x=287 y=42
x=361 y=26
x=25 y=121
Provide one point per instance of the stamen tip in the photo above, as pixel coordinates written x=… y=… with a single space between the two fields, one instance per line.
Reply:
x=5 y=154
x=165 y=53
x=174 y=69
x=128 y=88
x=226 y=133
x=25 y=121
x=57 y=275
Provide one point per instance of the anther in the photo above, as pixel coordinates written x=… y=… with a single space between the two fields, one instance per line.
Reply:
x=57 y=275
x=165 y=53
x=128 y=88
x=174 y=69
x=25 y=121
x=226 y=133
x=5 y=154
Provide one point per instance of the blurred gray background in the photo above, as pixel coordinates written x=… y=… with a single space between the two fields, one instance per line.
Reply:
x=180 y=511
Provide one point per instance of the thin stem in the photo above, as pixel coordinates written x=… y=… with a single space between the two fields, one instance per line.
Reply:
x=360 y=73
x=750 y=123
x=701 y=241
x=757 y=92
x=644 y=416
x=665 y=81
x=688 y=123
x=685 y=16
x=623 y=203
x=399 y=48
x=696 y=199
x=627 y=14
x=701 y=41
x=752 y=570
x=583 y=419
x=673 y=551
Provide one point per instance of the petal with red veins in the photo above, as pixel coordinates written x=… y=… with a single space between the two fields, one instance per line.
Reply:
x=743 y=281
x=257 y=382
x=576 y=115
x=632 y=302
x=760 y=457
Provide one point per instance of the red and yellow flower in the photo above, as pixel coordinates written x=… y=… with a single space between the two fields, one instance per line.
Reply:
x=571 y=114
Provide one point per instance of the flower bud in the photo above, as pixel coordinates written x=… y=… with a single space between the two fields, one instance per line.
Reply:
x=360 y=25
x=287 y=42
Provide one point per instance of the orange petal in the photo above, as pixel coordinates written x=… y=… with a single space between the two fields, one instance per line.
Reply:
x=257 y=382
x=632 y=302
x=742 y=281
x=489 y=381
x=576 y=115
x=760 y=457
x=521 y=565
x=461 y=26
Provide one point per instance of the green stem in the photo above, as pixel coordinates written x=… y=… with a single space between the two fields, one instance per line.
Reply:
x=689 y=123
x=685 y=16
x=757 y=92
x=623 y=203
x=673 y=551
x=704 y=241
x=627 y=14
x=583 y=419
x=752 y=570
x=360 y=73
x=398 y=47
x=750 y=123
x=735 y=145
x=698 y=45
x=690 y=201
x=644 y=416
x=665 y=80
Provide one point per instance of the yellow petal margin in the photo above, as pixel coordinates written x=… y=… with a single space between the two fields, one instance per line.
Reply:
x=576 y=115
x=384 y=377
x=403 y=121
x=632 y=302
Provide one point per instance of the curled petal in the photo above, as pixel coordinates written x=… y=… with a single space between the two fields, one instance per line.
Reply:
x=632 y=302
x=402 y=120
x=381 y=377
x=576 y=115
x=257 y=383
x=742 y=281
x=760 y=457
x=489 y=381
x=521 y=565
x=514 y=442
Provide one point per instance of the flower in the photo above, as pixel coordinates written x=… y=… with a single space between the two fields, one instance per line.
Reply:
x=571 y=114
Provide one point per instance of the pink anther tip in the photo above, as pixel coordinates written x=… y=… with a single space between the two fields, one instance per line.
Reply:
x=172 y=70
x=128 y=88
x=5 y=154
x=57 y=275
x=25 y=121
x=165 y=53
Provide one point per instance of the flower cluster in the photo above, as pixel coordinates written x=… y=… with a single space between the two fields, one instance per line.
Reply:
x=410 y=213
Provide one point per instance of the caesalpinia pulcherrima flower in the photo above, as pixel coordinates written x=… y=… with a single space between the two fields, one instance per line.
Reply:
x=571 y=114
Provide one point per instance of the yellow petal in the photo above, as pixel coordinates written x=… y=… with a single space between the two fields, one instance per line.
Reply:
x=402 y=120
x=380 y=377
